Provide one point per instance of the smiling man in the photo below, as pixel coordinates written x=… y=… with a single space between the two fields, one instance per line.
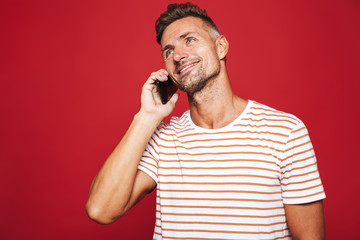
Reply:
x=228 y=168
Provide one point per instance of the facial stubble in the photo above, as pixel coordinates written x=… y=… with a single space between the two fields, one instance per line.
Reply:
x=200 y=79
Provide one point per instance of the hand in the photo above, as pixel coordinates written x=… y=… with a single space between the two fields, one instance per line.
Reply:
x=150 y=98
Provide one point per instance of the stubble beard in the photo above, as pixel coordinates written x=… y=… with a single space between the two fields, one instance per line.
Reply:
x=197 y=82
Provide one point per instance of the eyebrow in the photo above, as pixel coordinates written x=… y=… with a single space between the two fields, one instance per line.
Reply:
x=182 y=36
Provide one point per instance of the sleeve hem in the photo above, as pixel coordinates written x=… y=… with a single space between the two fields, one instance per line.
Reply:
x=149 y=173
x=304 y=200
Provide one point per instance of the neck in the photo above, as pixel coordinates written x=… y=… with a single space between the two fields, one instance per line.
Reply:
x=215 y=106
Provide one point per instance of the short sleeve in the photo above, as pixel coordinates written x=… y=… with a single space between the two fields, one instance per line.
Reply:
x=149 y=161
x=300 y=179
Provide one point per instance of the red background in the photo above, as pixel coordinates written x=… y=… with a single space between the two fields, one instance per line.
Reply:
x=71 y=73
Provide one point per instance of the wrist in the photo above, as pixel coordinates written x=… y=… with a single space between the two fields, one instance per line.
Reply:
x=147 y=118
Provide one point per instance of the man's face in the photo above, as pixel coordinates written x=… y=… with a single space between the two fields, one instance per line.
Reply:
x=190 y=53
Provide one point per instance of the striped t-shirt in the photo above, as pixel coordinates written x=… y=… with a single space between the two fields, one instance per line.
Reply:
x=232 y=182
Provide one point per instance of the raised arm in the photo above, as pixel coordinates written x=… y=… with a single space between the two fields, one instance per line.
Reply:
x=119 y=185
x=306 y=221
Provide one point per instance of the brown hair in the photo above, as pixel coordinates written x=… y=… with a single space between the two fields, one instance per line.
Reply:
x=178 y=11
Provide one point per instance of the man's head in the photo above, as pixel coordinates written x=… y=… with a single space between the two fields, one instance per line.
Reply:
x=178 y=11
x=192 y=46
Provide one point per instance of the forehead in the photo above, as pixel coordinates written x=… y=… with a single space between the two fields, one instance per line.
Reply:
x=184 y=25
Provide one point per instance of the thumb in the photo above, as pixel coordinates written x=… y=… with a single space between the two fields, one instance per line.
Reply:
x=174 y=98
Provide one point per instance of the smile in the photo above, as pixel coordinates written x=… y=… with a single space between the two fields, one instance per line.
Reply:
x=186 y=67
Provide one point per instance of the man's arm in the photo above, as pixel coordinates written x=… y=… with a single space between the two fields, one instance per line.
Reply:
x=306 y=221
x=119 y=184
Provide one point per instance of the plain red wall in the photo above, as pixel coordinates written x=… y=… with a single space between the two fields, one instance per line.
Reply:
x=71 y=73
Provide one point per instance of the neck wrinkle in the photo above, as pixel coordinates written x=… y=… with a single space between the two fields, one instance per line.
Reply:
x=216 y=105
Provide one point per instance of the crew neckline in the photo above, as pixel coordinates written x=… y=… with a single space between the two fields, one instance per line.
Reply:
x=235 y=121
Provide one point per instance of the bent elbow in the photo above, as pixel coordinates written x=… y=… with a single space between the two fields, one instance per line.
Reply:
x=99 y=216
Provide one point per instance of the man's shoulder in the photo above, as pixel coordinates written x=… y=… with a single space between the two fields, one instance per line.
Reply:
x=264 y=114
x=176 y=122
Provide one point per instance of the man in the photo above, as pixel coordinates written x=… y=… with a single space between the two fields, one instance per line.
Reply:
x=229 y=168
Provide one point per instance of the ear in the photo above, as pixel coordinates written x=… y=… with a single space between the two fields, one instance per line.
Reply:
x=222 y=46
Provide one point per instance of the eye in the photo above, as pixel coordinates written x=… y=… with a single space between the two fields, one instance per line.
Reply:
x=190 y=40
x=167 y=53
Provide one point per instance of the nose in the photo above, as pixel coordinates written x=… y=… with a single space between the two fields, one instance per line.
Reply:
x=180 y=54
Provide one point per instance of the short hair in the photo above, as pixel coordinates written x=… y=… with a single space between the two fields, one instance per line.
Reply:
x=178 y=11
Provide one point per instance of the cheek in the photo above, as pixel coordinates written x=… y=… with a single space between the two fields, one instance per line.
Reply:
x=208 y=53
x=169 y=67
x=200 y=50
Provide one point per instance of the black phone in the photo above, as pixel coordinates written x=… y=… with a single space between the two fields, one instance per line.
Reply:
x=166 y=89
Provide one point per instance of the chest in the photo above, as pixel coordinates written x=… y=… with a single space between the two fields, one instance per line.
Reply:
x=215 y=158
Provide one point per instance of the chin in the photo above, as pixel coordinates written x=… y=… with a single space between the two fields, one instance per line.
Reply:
x=193 y=86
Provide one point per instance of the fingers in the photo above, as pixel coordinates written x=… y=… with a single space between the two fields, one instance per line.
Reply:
x=174 y=98
x=150 y=100
x=160 y=75
x=150 y=93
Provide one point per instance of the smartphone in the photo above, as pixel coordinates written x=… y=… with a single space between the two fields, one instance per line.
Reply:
x=166 y=89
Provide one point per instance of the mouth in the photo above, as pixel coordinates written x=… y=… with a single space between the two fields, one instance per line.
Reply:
x=185 y=68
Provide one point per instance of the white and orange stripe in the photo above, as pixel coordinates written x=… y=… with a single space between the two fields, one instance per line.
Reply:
x=233 y=182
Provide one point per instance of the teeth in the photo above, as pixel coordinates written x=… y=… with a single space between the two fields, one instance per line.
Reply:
x=186 y=67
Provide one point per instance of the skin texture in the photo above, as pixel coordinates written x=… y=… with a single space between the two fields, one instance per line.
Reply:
x=190 y=42
x=119 y=185
x=306 y=221
x=195 y=59
x=195 y=55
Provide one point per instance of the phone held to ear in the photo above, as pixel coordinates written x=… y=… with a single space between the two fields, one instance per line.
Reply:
x=166 y=89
